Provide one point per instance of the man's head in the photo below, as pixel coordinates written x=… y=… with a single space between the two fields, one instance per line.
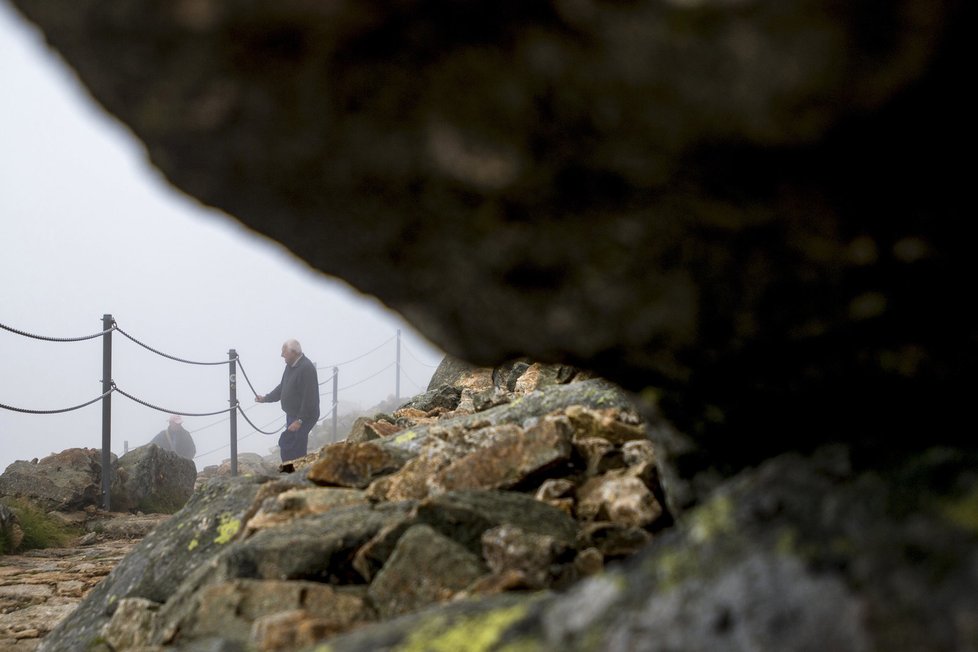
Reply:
x=175 y=420
x=291 y=350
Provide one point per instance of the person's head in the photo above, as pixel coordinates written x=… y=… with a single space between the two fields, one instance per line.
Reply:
x=291 y=350
x=175 y=421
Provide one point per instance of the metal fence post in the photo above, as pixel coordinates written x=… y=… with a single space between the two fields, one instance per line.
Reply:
x=107 y=412
x=397 y=382
x=336 y=375
x=233 y=400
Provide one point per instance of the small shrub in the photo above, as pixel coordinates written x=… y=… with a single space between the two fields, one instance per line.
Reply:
x=40 y=530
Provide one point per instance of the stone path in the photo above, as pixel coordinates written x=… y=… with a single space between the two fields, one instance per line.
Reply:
x=40 y=587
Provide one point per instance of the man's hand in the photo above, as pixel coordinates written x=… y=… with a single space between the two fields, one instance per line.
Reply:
x=259 y=399
x=295 y=425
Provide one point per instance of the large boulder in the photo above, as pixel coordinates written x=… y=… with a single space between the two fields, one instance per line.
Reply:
x=152 y=480
x=65 y=481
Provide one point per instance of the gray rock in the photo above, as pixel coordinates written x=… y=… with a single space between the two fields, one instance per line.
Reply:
x=356 y=465
x=466 y=515
x=152 y=480
x=65 y=481
x=425 y=568
x=319 y=547
x=508 y=457
x=535 y=557
x=232 y=609
x=445 y=396
x=449 y=372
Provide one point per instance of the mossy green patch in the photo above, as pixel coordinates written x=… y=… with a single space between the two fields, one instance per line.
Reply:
x=478 y=633
x=713 y=519
x=227 y=528
x=706 y=524
x=787 y=542
x=193 y=544
x=39 y=529
x=674 y=566
x=963 y=511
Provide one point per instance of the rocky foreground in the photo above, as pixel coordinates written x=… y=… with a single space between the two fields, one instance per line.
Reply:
x=524 y=507
x=514 y=481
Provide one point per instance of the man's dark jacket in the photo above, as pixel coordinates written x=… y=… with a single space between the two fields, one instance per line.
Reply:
x=298 y=391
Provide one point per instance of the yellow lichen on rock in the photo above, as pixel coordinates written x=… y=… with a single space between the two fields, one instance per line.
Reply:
x=227 y=528
x=477 y=633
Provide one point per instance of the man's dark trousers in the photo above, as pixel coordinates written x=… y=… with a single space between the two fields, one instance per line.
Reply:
x=293 y=445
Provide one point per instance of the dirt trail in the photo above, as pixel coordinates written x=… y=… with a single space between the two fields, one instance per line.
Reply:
x=40 y=587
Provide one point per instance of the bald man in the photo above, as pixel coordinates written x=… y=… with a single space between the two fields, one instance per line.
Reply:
x=299 y=394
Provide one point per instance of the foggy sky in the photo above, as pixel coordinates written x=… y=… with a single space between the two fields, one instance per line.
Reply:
x=87 y=227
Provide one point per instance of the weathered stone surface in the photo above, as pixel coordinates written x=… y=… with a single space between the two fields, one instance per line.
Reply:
x=539 y=375
x=299 y=502
x=508 y=456
x=319 y=547
x=612 y=540
x=131 y=624
x=63 y=481
x=360 y=433
x=372 y=555
x=618 y=497
x=355 y=465
x=554 y=488
x=599 y=454
x=465 y=515
x=411 y=481
x=243 y=610
x=445 y=396
x=365 y=429
x=291 y=630
x=248 y=464
x=455 y=372
x=595 y=393
x=426 y=567
x=152 y=480
x=509 y=549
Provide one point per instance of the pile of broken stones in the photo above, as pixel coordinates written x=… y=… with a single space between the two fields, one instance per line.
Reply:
x=523 y=478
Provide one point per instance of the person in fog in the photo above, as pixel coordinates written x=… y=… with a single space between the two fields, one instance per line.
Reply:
x=299 y=393
x=175 y=438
